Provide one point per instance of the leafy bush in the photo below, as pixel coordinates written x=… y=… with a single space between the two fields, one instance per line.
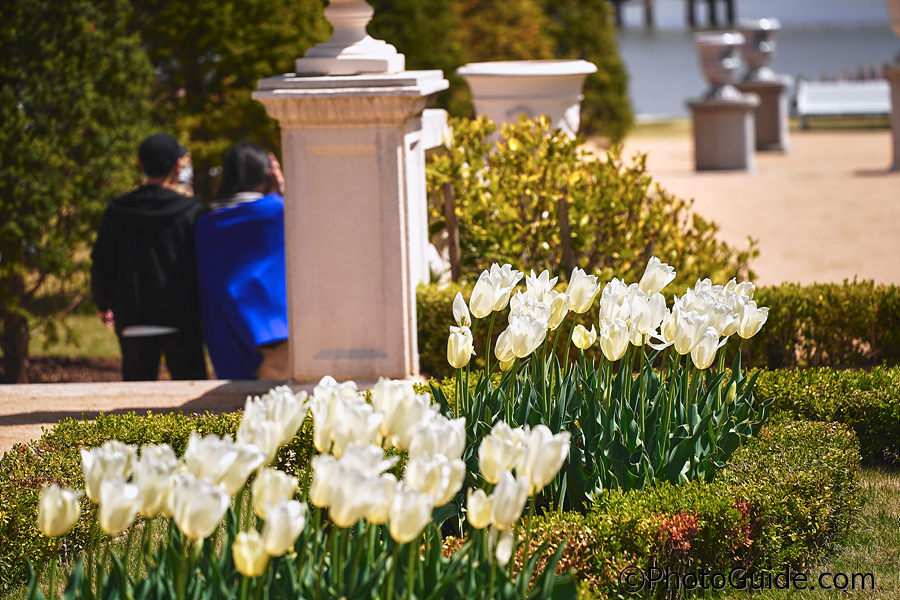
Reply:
x=783 y=499
x=510 y=194
x=55 y=458
x=866 y=401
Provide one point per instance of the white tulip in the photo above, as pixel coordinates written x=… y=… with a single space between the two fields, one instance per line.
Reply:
x=405 y=412
x=281 y=406
x=526 y=334
x=120 y=502
x=440 y=436
x=264 y=435
x=409 y=514
x=543 y=456
x=581 y=291
x=386 y=487
x=502 y=542
x=153 y=473
x=358 y=425
x=520 y=304
x=499 y=451
x=503 y=349
x=582 y=338
x=689 y=328
x=270 y=487
x=478 y=508
x=198 y=505
x=221 y=460
x=559 y=309
x=745 y=289
x=436 y=476
x=509 y=277
x=325 y=472
x=58 y=510
x=656 y=276
x=614 y=339
x=704 y=352
x=249 y=554
x=508 y=500
x=752 y=319
x=460 y=347
x=367 y=458
x=461 y=311
x=538 y=285
x=354 y=494
x=283 y=525
x=112 y=460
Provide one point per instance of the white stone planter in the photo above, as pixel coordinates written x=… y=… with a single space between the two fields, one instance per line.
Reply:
x=719 y=62
x=503 y=90
x=759 y=47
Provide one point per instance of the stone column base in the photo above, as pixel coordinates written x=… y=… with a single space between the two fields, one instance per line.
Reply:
x=724 y=134
x=772 y=113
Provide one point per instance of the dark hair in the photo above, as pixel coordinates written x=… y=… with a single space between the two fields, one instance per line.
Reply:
x=246 y=166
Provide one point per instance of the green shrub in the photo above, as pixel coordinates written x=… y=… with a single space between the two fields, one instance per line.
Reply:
x=56 y=458
x=783 y=499
x=866 y=401
x=509 y=197
x=828 y=325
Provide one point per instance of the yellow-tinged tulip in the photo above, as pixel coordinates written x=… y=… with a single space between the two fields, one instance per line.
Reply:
x=582 y=338
x=484 y=295
x=119 y=505
x=248 y=551
x=704 y=353
x=581 y=291
x=409 y=514
x=460 y=347
x=436 y=476
x=732 y=392
x=478 y=508
x=689 y=328
x=499 y=451
x=58 y=510
x=283 y=525
x=559 y=309
x=506 y=365
x=271 y=486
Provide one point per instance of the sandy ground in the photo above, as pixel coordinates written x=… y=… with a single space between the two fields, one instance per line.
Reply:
x=826 y=211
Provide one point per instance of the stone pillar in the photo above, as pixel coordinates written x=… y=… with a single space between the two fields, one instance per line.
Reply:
x=356 y=230
x=772 y=115
x=892 y=73
x=724 y=136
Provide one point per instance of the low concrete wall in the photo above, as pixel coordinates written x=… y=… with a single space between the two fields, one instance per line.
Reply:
x=25 y=410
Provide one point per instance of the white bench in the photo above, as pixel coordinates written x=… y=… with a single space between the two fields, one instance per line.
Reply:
x=842 y=98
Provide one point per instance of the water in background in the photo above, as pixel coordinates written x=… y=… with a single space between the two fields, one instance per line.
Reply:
x=818 y=38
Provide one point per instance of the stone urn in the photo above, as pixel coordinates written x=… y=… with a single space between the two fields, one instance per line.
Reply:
x=719 y=62
x=504 y=90
x=759 y=47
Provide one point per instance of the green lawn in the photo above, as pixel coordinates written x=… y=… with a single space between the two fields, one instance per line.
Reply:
x=77 y=335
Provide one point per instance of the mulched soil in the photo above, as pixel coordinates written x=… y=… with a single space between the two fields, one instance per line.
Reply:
x=58 y=369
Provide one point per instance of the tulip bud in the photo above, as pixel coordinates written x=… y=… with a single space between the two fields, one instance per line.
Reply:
x=559 y=309
x=409 y=514
x=248 y=551
x=461 y=311
x=614 y=339
x=284 y=523
x=704 y=352
x=508 y=500
x=506 y=365
x=732 y=392
x=752 y=319
x=582 y=338
x=58 y=510
x=119 y=505
x=483 y=297
x=460 y=347
x=270 y=487
x=478 y=508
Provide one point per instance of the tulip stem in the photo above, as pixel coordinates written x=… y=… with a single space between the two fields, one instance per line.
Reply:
x=52 y=588
x=389 y=590
x=411 y=570
x=487 y=351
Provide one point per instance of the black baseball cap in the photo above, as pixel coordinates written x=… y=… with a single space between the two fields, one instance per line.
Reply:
x=159 y=153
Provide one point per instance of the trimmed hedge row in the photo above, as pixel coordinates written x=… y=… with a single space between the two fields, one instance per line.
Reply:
x=867 y=401
x=783 y=498
x=821 y=325
x=782 y=501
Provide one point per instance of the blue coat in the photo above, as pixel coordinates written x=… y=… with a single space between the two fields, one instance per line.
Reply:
x=243 y=298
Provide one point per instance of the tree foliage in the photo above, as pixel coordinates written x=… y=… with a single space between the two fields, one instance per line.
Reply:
x=73 y=104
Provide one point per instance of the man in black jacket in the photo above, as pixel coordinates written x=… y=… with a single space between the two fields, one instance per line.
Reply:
x=144 y=272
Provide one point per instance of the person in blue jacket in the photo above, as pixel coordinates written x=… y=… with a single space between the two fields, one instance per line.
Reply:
x=240 y=262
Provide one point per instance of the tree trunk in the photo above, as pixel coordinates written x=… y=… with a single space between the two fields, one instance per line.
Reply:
x=14 y=335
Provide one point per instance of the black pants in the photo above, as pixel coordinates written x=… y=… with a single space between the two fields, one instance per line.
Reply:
x=183 y=351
